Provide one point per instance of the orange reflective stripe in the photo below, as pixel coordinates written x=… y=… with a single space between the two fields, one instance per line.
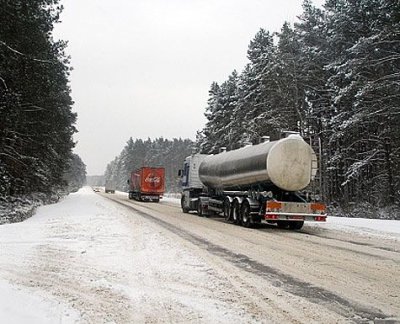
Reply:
x=274 y=204
x=318 y=206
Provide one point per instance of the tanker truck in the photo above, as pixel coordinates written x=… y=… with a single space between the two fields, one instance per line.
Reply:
x=263 y=182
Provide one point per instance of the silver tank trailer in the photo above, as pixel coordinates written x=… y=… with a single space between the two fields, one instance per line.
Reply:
x=286 y=163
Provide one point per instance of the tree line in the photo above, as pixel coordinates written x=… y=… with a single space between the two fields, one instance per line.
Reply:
x=36 y=121
x=159 y=152
x=334 y=75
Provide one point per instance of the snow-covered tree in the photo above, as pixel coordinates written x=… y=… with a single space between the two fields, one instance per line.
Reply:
x=154 y=153
x=36 y=123
x=334 y=75
x=219 y=112
x=75 y=174
x=364 y=82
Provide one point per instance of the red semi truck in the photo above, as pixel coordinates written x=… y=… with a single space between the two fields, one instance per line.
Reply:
x=147 y=184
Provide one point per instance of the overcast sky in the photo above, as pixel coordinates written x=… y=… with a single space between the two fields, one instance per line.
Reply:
x=143 y=68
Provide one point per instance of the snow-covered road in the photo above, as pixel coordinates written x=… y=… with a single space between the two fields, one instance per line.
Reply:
x=89 y=259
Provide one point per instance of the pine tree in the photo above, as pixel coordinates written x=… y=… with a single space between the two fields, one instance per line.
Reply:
x=289 y=85
x=257 y=103
x=365 y=37
x=75 y=174
x=37 y=122
x=152 y=153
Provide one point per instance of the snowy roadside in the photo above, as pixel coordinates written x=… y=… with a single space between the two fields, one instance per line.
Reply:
x=17 y=209
x=389 y=229
x=363 y=226
x=36 y=309
x=88 y=260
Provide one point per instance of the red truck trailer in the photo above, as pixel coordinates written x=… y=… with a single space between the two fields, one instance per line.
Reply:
x=147 y=184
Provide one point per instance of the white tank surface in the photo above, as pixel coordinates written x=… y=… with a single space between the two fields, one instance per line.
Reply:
x=286 y=163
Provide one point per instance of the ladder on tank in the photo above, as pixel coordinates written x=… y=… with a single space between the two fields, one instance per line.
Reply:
x=315 y=188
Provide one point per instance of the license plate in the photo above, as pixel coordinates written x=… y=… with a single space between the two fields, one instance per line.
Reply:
x=296 y=217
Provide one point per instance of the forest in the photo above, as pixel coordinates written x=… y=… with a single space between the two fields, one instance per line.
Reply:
x=334 y=77
x=36 y=121
x=159 y=152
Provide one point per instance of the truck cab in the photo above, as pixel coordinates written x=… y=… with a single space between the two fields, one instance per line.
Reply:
x=190 y=181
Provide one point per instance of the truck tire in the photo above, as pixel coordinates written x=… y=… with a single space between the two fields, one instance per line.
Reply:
x=283 y=224
x=184 y=209
x=245 y=215
x=227 y=210
x=199 y=208
x=296 y=225
x=236 y=212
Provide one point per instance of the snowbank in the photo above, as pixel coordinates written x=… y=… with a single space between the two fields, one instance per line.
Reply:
x=363 y=226
x=87 y=259
x=18 y=306
x=91 y=260
x=17 y=209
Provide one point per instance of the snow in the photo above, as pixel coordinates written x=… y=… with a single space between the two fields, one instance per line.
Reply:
x=175 y=201
x=35 y=310
x=122 y=268
x=362 y=226
x=87 y=259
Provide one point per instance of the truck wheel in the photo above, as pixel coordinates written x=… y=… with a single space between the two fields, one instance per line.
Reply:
x=245 y=215
x=296 y=225
x=236 y=212
x=283 y=224
x=227 y=210
x=184 y=209
x=199 y=209
x=256 y=219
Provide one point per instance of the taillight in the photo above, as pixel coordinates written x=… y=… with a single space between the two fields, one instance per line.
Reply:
x=320 y=218
x=267 y=217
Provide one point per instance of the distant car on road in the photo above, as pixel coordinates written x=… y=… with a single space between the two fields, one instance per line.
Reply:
x=95 y=189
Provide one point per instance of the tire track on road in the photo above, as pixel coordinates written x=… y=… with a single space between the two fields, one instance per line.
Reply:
x=264 y=226
x=317 y=295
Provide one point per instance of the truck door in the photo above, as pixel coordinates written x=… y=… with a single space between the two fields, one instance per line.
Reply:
x=185 y=176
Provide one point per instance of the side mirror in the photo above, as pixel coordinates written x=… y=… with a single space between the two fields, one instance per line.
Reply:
x=127 y=181
x=180 y=173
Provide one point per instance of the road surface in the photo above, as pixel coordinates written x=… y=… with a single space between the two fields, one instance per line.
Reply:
x=322 y=276
x=143 y=262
